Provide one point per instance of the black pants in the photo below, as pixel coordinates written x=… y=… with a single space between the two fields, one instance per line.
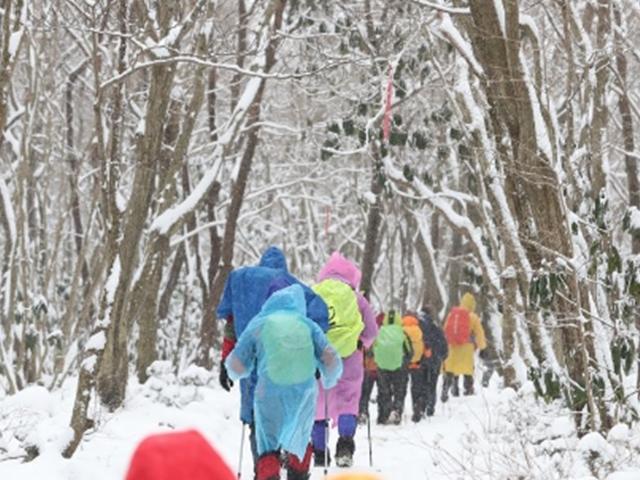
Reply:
x=389 y=392
x=450 y=382
x=418 y=392
x=368 y=381
x=430 y=374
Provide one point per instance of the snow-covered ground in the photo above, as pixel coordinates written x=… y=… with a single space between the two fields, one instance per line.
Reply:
x=495 y=434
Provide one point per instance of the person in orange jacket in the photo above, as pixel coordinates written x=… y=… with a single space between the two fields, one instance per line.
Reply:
x=415 y=365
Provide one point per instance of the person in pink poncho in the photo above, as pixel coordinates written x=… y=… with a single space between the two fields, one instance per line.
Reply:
x=343 y=400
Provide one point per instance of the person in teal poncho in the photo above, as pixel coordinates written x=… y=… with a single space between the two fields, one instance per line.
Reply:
x=287 y=349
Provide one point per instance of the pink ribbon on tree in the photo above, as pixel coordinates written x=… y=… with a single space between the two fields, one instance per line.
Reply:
x=386 y=120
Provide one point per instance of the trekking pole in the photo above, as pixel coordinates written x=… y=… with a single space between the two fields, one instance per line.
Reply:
x=326 y=433
x=370 y=443
x=241 y=450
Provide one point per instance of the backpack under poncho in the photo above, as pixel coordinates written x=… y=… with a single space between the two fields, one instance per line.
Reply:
x=288 y=350
x=388 y=349
x=345 y=319
x=413 y=331
x=457 y=328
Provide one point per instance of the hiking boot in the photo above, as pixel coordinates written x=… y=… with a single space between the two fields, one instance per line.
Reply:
x=430 y=411
x=296 y=475
x=416 y=417
x=318 y=458
x=444 y=397
x=455 y=391
x=344 y=451
x=394 y=418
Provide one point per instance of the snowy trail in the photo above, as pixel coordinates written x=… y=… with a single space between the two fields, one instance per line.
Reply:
x=397 y=450
x=477 y=437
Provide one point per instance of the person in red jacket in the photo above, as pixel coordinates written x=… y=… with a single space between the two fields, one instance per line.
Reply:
x=177 y=456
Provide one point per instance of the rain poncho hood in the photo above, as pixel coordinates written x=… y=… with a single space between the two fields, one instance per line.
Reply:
x=341 y=268
x=283 y=413
x=248 y=287
x=468 y=301
x=274 y=258
x=246 y=290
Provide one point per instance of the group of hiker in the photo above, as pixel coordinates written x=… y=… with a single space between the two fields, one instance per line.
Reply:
x=414 y=349
x=308 y=357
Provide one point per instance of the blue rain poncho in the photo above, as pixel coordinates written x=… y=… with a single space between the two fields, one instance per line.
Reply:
x=246 y=290
x=286 y=348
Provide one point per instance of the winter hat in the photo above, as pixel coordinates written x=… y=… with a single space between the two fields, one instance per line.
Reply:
x=468 y=301
x=177 y=456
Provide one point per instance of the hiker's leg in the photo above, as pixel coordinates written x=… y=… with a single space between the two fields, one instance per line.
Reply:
x=433 y=371
x=417 y=392
x=298 y=468
x=455 y=388
x=384 y=396
x=365 y=396
x=402 y=379
x=468 y=385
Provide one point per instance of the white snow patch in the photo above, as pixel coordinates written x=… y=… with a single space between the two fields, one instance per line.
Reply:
x=369 y=197
x=449 y=30
x=8 y=209
x=14 y=41
x=502 y=18
x=594 y=442
x=634 y=218
x=97 y=341
x=89 y=363
x=113 y=280
x=121 y=202
x=195 y=375
x=619 y=433
x=562 y=427
x=542 y=134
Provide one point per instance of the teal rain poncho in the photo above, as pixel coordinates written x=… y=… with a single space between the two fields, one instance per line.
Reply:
x=286 y=348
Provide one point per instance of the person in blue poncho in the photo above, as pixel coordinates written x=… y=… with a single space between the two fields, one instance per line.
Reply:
x=245 y=291
x=286 y=349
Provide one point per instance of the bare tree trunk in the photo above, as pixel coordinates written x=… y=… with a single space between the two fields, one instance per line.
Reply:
x=531 y=171
x=74 y=168
x=159 y=244
x=630 y=157
x=208 y=330
x=431 y=294
x=600 y=111
x=172 y=282
x=374 y=219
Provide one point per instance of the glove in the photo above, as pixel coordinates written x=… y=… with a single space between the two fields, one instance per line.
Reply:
x=317 y=374
x=484 y=354
x=225 y=381
x=360 y=345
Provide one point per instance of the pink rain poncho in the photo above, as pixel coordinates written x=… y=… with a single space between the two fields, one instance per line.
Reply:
x=344 y=398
